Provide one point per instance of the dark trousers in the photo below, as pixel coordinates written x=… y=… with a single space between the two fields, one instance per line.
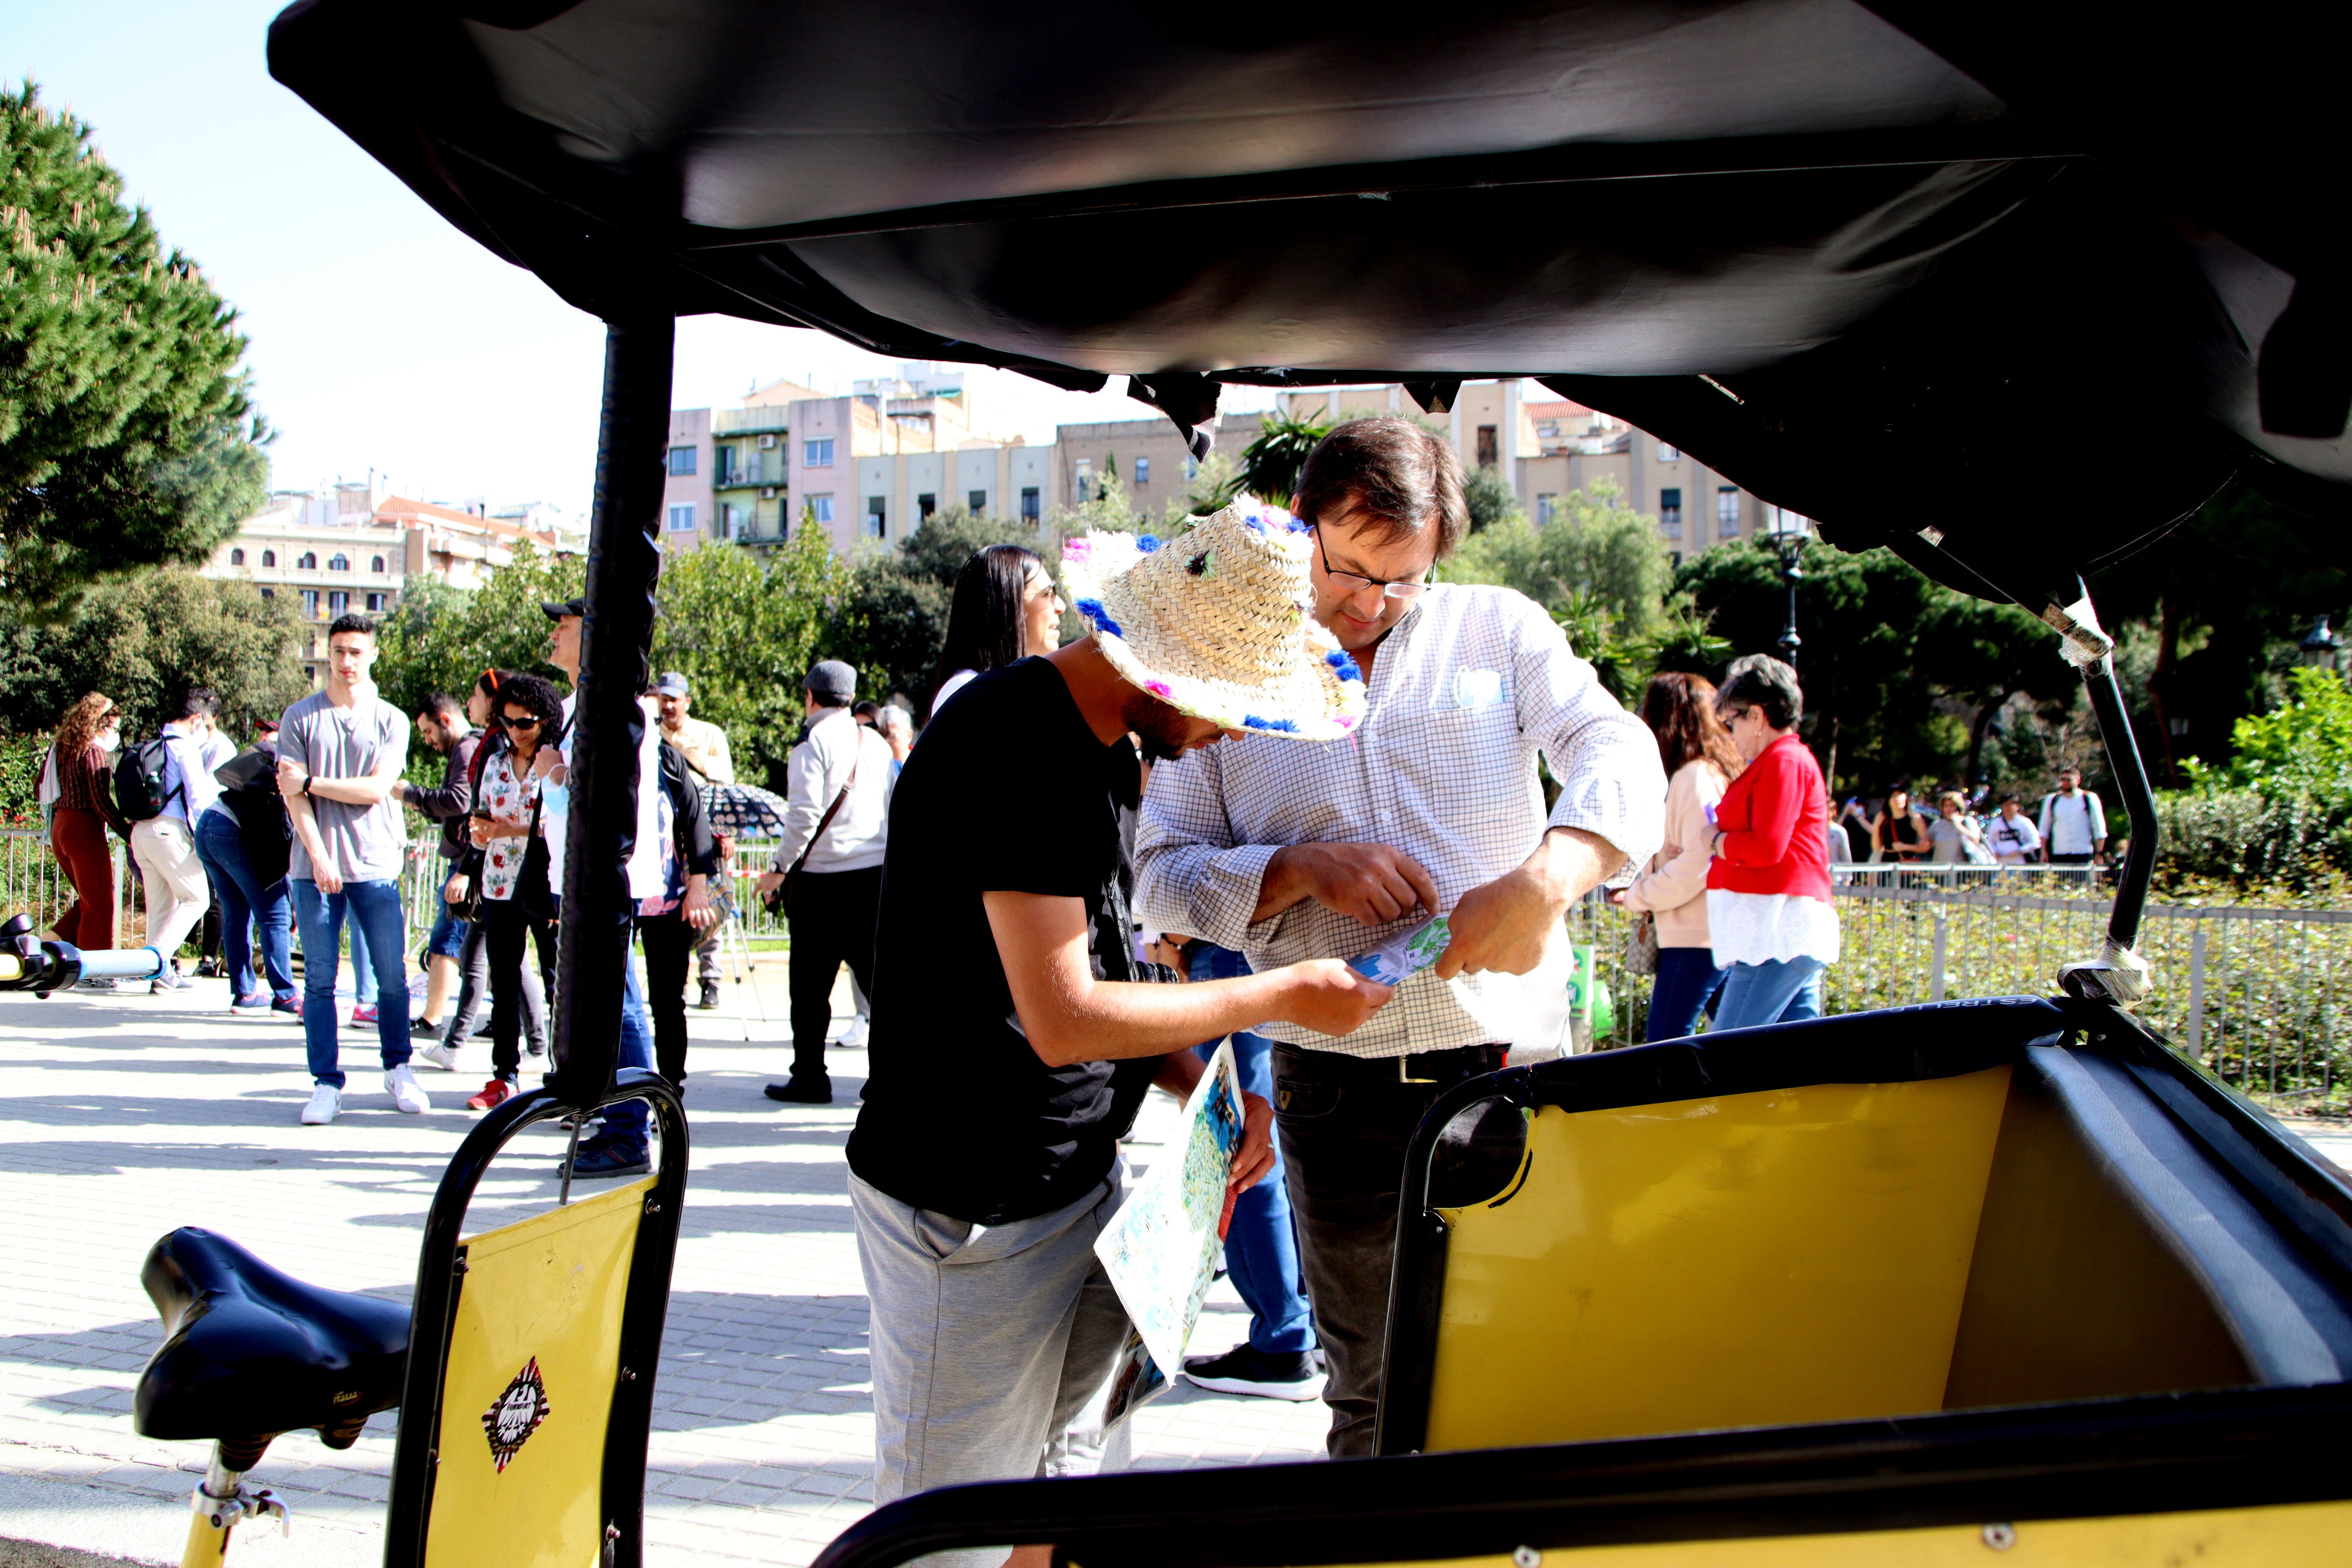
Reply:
x=1687 y=981
x=77 y=834
x=1344 y=1122
x=507 y=927
x=832 y=924
x=669 y=943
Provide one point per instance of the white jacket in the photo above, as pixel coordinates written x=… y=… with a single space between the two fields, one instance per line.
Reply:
x=819 y=769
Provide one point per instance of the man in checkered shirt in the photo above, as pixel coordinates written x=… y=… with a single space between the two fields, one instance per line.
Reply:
x=1286 y=851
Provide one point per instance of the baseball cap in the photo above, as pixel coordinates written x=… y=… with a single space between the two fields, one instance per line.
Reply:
x=672 y=684
x=556 y=612
x=833 y=681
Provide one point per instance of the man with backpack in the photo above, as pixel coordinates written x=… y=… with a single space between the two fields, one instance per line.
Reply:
x=2074 y=826
x=161 y=787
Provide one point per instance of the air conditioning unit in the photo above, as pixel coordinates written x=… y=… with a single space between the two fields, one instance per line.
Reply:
x=767 y=443
x=767 y=492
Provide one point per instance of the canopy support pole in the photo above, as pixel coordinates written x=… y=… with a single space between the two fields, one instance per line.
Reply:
x=608 y=726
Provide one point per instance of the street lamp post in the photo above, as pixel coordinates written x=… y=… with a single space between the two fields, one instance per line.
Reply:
x=1788 y=539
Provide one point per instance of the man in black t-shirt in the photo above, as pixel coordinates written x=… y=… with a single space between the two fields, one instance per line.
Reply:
x=1013 y=1039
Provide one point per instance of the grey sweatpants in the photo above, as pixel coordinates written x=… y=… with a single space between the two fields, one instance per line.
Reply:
x=987 y=1341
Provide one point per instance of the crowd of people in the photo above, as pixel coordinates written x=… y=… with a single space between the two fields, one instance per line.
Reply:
x=1279 y=745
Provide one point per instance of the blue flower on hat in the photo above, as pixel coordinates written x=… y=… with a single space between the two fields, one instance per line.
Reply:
x=1347 y=666
x=1146 y=543
x=1093 y=610
x=1252 y=721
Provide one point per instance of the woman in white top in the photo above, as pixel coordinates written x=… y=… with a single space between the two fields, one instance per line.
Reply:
x=1700 y=762
x=1005 y=609
x=1955 y=832
x=509 y=824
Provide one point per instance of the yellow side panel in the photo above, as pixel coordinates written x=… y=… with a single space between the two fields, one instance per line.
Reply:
x=2292 y=1537
x=537 y=1340
x=1788 y=1255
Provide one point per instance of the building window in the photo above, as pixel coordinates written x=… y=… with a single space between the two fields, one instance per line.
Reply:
x=1544 y=506
x=1490 y=452
x=976 y=503
x=681 y=460
x=1143 y=470
x=1086 y=479
x=925 y=506
x=1670 y=512
x=375 y=604
x=375 y=564
x=237 y=557
x=269 y=558
x=1030 y=510
x=681 y=519
x=727 y=515
x=311 y=604
x=1727 y=512
x=309 y=562
x=817 y=454
x=821 y=507
x=268 y=592
x=723 y=465
x=1667 y=454
x=338 y=561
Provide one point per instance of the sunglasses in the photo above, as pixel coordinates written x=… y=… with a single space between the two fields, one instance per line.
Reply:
x=507 y=721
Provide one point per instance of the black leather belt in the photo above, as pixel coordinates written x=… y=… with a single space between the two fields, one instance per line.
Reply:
x=1446 y=1067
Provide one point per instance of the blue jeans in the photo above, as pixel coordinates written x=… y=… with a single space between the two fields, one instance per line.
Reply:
x=1261 y=1246
x=448 y=938
x=373 y=907
x=1779 y=992
x=1687 y=981
x=626 y=1121
x=245 y=903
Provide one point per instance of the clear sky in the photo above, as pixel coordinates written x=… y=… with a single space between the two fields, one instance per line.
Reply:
x=380 y=337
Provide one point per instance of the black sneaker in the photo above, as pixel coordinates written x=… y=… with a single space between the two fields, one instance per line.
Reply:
x=424 y=1029
x=1246 y=1370
x=804 y=1088
x=710 y=996
x=610 y=1157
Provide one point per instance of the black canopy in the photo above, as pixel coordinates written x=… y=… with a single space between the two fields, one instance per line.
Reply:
x=1900 y=268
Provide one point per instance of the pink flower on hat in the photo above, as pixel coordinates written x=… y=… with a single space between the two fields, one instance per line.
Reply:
x=1159 y=689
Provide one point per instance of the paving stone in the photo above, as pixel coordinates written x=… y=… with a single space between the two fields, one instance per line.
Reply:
x=122 y=1117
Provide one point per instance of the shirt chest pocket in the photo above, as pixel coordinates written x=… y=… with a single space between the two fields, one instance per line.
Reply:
x=1446 y=750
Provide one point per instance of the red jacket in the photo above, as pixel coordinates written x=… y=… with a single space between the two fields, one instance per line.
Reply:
x=1774 y=819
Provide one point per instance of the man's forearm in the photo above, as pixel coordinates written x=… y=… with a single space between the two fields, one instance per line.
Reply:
x=1113 y=1020
x=1180 y=1074
x=366 y=791
x=306 y=828
x=1285 y=885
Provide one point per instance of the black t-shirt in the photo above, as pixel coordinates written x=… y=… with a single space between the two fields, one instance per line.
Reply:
x=1008 y=791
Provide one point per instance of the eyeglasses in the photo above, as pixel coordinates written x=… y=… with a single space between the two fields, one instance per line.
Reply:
x=1353 y=582
x=1733 y=715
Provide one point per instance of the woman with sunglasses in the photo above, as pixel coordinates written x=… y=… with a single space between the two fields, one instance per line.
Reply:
x=1768 y=914
x=518 y=902
x=91 y=729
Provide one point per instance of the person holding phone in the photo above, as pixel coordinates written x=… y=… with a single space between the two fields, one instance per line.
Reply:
x=517 y=901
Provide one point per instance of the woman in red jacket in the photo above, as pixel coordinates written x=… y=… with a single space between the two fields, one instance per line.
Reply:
x=1768 y=914
x=91 y=729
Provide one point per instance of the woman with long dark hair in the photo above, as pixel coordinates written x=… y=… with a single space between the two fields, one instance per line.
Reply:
x=92 y=728
x=517 y=901
x=1005 y=609
x=1700 y=763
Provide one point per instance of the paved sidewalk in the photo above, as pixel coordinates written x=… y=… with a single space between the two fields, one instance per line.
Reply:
x=126 y=1116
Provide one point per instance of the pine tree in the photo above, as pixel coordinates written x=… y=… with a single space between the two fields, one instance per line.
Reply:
x=127 y=435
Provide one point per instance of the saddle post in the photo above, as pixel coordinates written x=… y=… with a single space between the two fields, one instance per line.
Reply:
x=221 y=1501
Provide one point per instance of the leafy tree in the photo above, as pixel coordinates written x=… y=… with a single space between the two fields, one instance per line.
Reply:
x=441 y=639
x=744 y=631
x=1592 y=548
x=1490 y=500
x=1270 y=464
x=144 y=641
x=127 y=435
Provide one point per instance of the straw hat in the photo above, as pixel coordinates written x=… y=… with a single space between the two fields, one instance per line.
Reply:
x=1216 y=624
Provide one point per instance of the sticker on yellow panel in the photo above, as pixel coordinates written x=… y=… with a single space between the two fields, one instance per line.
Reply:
x=534 y=1352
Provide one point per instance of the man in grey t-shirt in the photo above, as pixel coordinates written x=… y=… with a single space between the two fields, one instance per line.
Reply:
x=339 y=751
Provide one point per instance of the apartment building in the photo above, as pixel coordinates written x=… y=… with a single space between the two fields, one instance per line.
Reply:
x=357 y=546
x=1152 y=458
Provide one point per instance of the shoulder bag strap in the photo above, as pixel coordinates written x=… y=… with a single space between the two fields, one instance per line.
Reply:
x=826 y=820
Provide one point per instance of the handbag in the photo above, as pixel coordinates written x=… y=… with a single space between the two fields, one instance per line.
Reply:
x=779 y=902
x=1641 y=947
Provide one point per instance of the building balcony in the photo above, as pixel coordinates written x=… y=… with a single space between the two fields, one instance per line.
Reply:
x=756 y=420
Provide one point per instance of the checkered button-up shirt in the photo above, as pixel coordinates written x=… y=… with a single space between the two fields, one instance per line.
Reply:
x=1466 y=689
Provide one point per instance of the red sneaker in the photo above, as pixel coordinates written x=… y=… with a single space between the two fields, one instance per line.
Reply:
x=493 y=1092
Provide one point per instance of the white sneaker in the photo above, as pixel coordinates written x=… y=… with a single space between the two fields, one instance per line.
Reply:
x=853 y=1038
x=439 y=1055
x=400 y=1083
x=326 y=1104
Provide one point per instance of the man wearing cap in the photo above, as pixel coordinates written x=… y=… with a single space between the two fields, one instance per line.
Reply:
x=704 y=746
x=620 y=1149
x=1012 y=1040
x=837 y=802
x=1433 y=807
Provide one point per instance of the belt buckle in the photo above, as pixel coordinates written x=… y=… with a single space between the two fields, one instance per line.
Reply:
x=1404 y=1070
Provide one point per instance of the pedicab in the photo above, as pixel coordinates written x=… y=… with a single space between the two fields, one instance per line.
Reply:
x=1910 y=1285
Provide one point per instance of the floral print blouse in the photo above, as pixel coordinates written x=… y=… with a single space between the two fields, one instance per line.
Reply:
x=509 y=800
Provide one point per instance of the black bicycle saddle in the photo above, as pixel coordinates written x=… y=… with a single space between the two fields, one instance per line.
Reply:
x=253 y=1352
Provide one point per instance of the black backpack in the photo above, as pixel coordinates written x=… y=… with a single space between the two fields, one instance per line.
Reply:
x=139 y=792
